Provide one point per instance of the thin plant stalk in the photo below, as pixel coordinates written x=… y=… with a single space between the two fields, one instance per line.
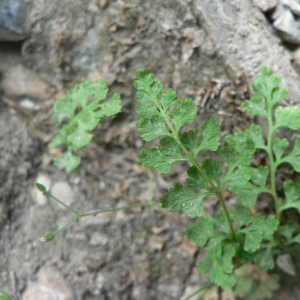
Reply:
x=273 y=171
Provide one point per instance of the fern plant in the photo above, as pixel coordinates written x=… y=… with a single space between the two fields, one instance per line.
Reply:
x=230 y=238
x=78 y=114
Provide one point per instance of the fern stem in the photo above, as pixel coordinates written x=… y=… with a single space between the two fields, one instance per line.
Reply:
x=273 y=168
x=218 y=193
x=216 y=190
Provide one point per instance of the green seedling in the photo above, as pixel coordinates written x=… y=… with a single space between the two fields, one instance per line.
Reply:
x=78 y=114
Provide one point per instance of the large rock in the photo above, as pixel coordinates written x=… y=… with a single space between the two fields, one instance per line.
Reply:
x=241 y=35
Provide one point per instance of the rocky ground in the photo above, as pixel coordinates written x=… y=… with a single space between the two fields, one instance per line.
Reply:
x=138 y=253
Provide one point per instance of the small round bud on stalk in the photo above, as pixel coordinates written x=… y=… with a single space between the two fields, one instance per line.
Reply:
x=47 y=237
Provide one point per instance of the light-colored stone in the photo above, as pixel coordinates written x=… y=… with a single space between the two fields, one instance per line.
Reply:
x=288 y=28
x=293 y=5
x=63 y=192
x=154 y=244
x=20 y=81
x=100 y=280
x=98 y=239
x=37 y=195
x=50 y=285
x=29 y=105
x=285 y=263
x=265 y=5
x=277 y=12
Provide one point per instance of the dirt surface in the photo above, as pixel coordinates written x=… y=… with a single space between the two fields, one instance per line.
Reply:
x=138 y=253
